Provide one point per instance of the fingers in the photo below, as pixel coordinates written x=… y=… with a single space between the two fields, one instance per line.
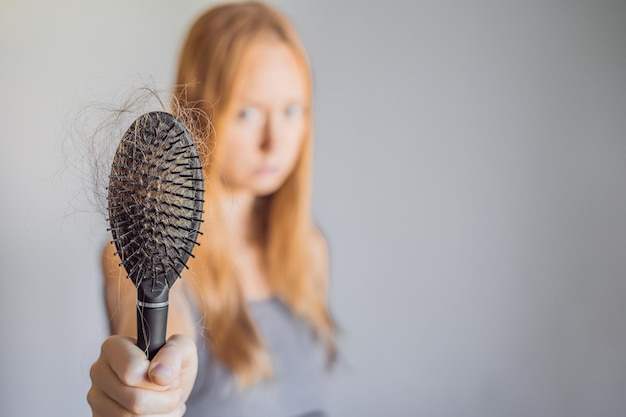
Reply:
x=125 y=383
x=103 y=406
x=177 y=359
x=126 y=360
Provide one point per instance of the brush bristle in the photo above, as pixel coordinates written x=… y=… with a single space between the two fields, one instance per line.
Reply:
x=155 y=199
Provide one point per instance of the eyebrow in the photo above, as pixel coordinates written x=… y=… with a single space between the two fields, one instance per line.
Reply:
x=297 y=100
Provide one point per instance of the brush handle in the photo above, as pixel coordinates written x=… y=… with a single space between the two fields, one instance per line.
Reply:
x=151 y=326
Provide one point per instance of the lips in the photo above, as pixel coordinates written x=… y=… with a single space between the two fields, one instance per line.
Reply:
x=267 y=170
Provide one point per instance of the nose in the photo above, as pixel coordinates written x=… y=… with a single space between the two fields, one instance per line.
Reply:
x=270 y=136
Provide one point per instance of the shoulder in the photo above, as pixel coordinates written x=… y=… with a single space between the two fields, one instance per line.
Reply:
x=319 y=247
x=320 y=259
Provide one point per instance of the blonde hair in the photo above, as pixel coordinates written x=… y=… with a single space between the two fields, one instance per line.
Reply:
x=207 y=77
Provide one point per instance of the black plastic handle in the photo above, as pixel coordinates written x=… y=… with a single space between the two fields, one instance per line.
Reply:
x=151 y=327
x=152 y=304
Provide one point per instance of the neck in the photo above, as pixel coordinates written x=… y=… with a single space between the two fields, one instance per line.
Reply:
x=238 y=216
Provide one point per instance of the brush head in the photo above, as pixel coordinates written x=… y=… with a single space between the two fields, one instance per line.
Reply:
x=155 y=199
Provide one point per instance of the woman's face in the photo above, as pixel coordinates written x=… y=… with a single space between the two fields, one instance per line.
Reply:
x=264 y=131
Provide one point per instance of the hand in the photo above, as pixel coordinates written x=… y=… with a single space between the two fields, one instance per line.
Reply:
x=125 y=383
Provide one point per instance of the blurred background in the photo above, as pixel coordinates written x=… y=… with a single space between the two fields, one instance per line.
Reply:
x=470 y=176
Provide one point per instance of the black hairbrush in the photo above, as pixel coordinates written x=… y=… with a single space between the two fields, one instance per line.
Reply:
x=155 y=199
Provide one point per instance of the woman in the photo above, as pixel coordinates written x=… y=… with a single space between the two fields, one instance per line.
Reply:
x=250 y=333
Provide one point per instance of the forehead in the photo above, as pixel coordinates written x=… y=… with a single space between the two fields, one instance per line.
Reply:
x=271 y=70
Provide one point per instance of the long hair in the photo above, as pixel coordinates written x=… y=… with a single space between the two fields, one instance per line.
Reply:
x=207 y=77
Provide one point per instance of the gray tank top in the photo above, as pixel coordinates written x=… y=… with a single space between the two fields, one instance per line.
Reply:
x=299 y=366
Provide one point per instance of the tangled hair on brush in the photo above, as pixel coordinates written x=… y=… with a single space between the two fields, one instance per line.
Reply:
x=106 y=124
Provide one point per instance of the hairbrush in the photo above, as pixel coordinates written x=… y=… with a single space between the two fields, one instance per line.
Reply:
x=155 y=198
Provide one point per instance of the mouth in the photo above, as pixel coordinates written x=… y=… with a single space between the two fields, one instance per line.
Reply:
x=267 y=170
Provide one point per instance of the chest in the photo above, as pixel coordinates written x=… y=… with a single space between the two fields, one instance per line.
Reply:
x=297 y=388
x=251 y=271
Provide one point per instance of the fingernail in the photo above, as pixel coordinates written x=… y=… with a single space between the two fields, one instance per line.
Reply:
x=162 y=371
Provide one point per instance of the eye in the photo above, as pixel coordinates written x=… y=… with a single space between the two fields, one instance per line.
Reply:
x=250 y=113
x=293 y=111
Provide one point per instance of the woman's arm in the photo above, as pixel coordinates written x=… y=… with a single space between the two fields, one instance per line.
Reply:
x=124 y=382
x=121 y=299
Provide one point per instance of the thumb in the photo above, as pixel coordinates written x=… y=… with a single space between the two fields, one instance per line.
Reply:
x=176 y=356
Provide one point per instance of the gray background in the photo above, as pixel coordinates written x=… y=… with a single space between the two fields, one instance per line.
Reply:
x=469 y=175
